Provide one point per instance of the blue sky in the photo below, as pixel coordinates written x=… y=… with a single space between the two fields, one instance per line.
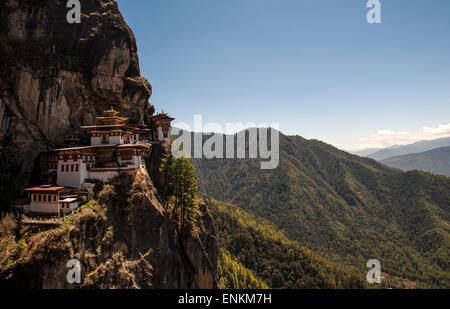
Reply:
x=316 y=67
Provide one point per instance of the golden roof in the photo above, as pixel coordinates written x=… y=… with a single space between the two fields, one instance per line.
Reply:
x=112 y=117
x=111 y=112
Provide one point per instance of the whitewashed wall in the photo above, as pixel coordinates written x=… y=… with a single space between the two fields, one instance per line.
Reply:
x=43 y=207
x=96 y=141
x=71 y=179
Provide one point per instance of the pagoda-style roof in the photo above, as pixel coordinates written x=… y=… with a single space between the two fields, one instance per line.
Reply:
x=123 y=126
x=138 y=127
x=163 y=117
x=112 y=118
x=112 y=121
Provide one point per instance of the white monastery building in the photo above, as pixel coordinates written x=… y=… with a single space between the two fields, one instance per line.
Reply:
x=46 y=200
x=115 y=147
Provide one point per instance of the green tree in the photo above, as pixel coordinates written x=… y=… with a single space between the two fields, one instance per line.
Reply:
x=233 y=275
x=180 y=188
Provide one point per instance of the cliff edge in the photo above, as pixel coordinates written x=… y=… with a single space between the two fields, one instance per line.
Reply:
x=123 y=240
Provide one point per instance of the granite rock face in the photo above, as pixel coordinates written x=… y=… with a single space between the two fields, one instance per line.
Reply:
x=56 y=76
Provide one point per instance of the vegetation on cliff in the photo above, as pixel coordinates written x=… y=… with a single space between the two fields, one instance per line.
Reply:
x=125 y=239
x=180 y=188
x=351 y=208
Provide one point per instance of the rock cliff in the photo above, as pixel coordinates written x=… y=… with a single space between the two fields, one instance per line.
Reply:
x=56 y=76
x=125 y=240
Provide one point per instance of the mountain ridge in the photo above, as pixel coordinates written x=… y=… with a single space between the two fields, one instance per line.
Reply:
x=417 y=147
x=349 y=207
x=436 y=161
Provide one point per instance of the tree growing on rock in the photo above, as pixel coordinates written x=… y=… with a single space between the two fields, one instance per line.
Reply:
x=180 y=187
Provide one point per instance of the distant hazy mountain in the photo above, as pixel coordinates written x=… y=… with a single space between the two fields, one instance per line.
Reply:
x=436 y=161
x=365 y=152
x=418 y=147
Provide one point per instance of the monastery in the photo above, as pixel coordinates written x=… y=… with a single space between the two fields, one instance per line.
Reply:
x=115 y=147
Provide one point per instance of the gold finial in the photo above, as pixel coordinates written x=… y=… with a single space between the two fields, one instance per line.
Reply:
x=112 y=117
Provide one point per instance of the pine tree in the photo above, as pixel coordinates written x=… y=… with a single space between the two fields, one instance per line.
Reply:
x=180 y=188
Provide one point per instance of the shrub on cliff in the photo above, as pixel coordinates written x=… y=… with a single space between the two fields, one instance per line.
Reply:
x=7 y=226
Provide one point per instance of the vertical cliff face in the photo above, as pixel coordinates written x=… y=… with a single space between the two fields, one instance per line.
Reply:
x=56 y=76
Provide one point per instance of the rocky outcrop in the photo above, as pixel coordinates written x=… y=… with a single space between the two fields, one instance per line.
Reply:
x=126 y=240
x=56 y=76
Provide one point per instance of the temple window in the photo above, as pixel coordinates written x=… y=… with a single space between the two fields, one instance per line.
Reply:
x=125 y=155
x=105 y=139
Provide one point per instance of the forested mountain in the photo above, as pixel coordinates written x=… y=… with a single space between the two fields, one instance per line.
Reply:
x=421 y=146
x=436 y=161
x=351 y=208
x=234 y=275
x=282 y=263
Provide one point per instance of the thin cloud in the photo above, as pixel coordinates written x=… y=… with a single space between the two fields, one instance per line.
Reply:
x=388 y=138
